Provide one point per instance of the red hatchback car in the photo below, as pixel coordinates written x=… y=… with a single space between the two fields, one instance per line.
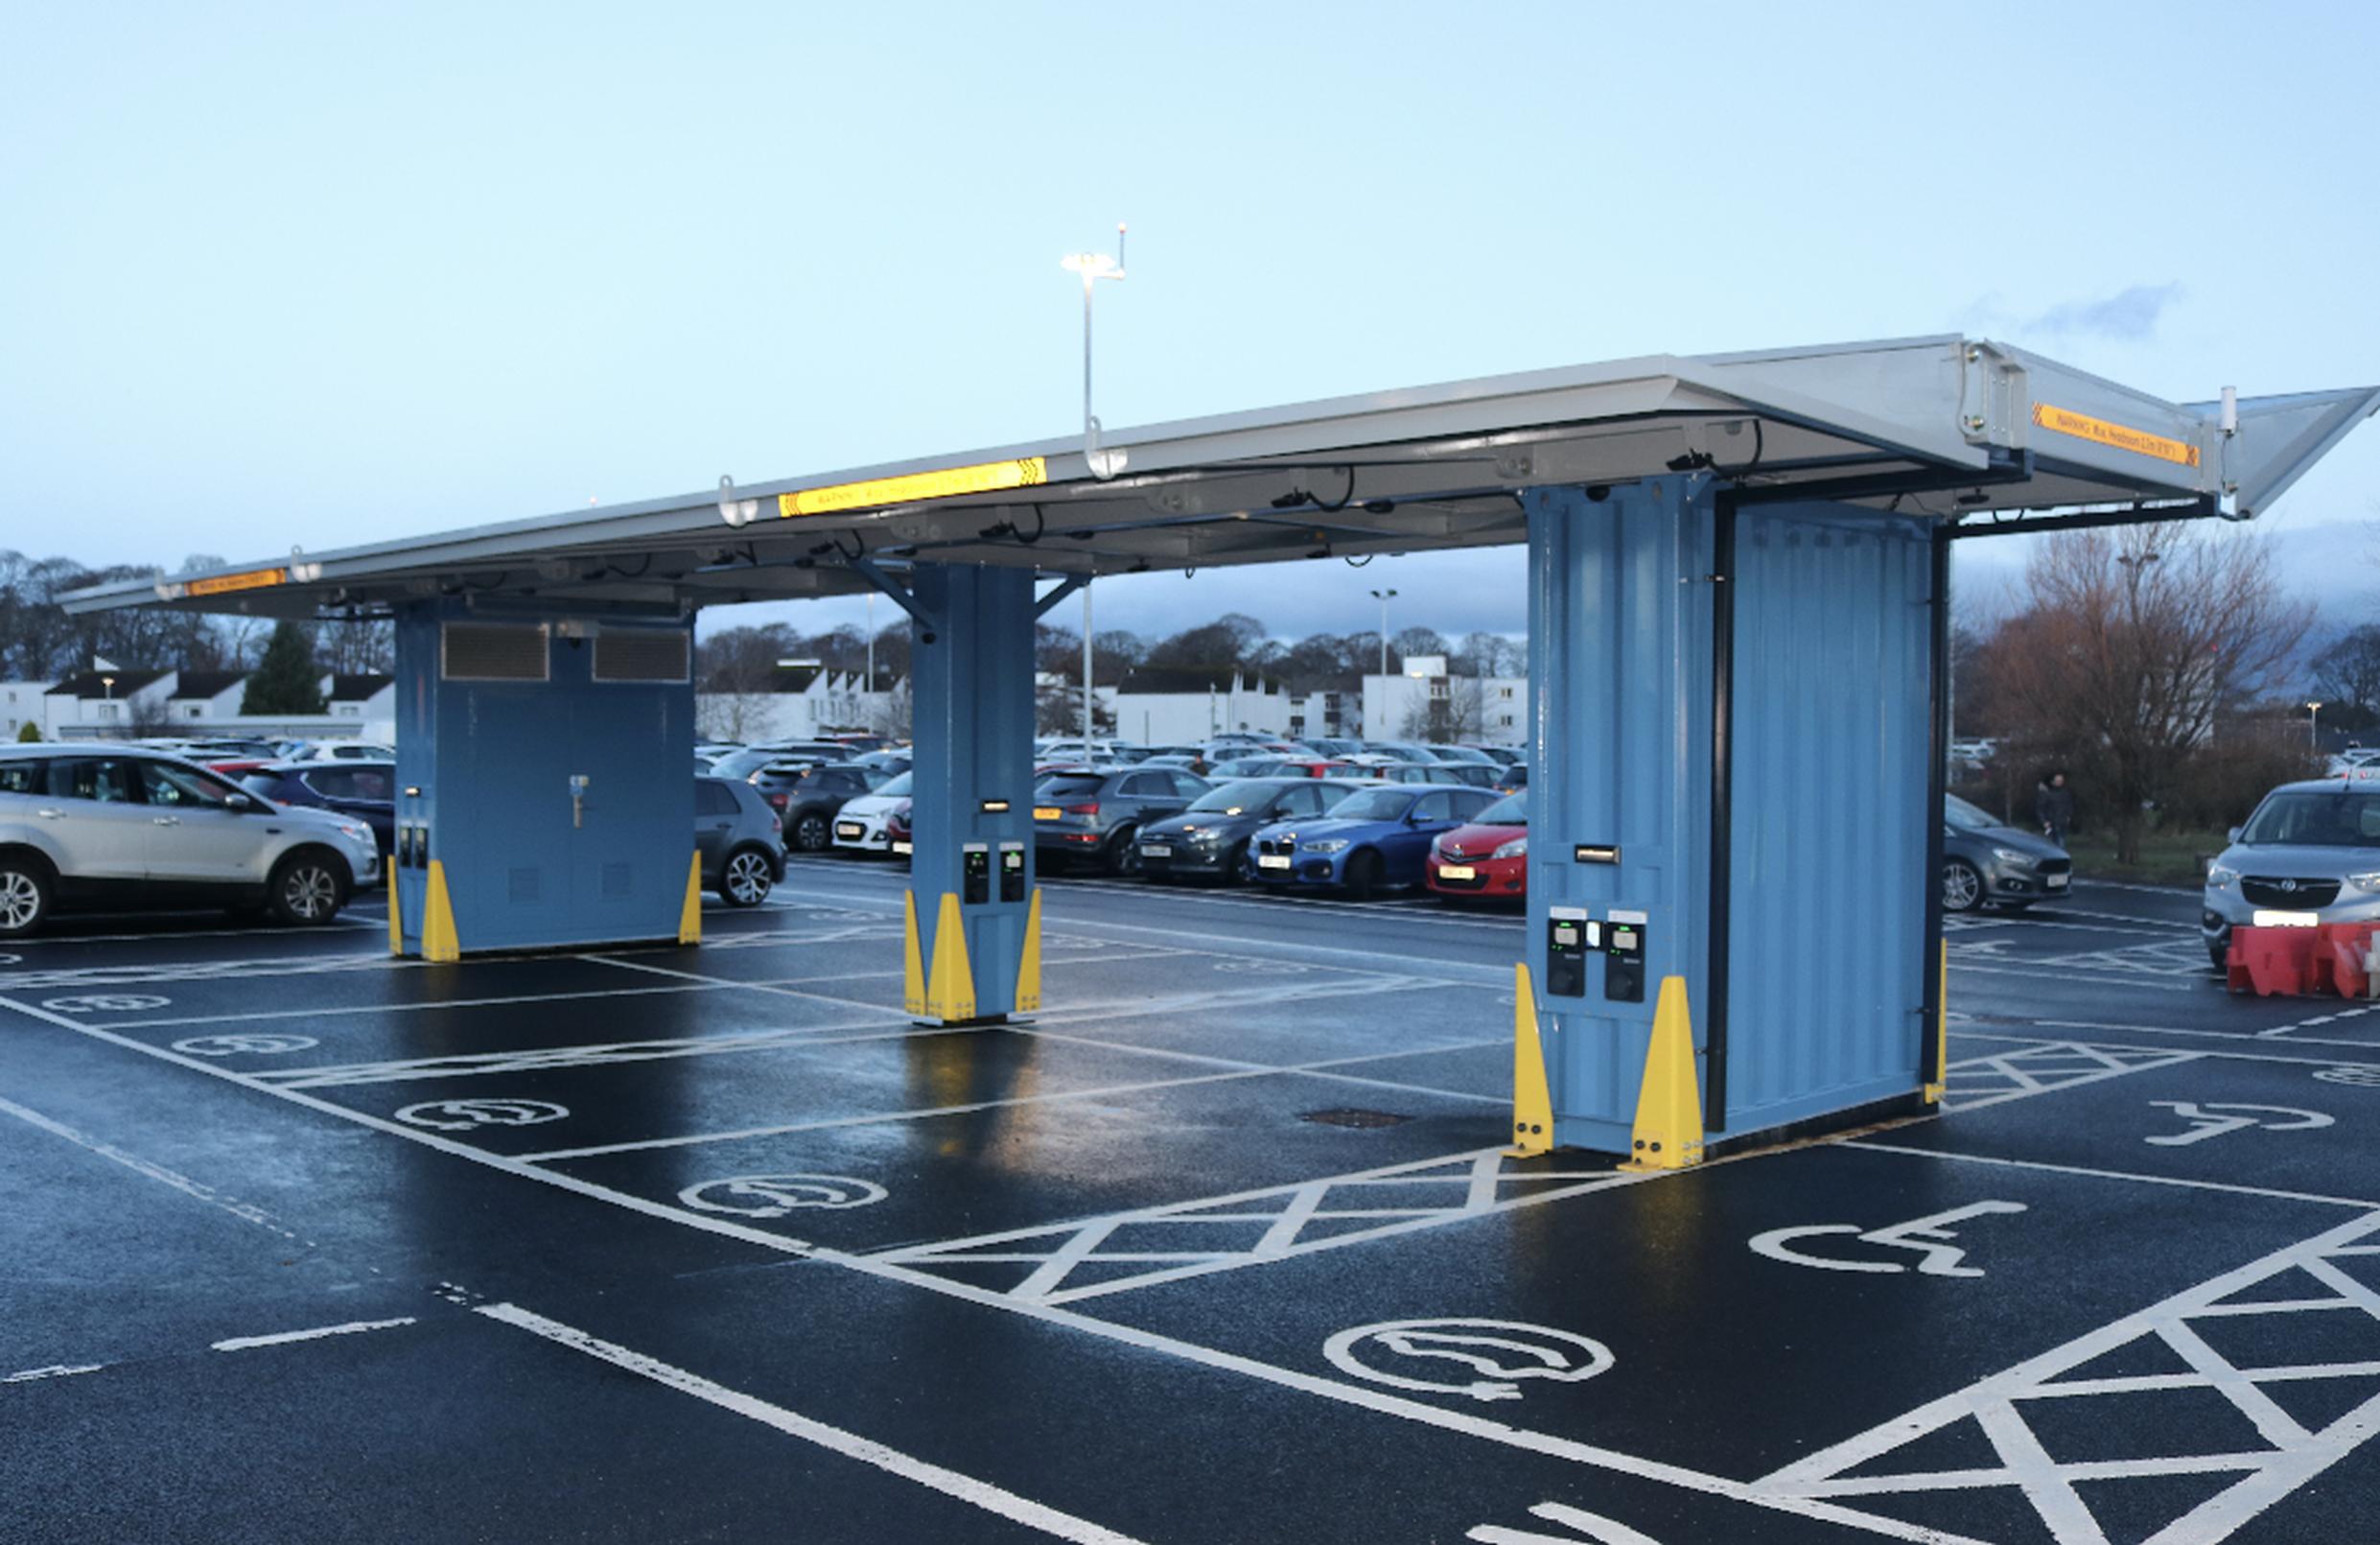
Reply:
x=1487 y=859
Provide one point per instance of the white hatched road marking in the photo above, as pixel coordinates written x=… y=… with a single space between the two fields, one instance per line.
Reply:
x=2292 y=1454
x=1181 y=1239
x=1977 y=1082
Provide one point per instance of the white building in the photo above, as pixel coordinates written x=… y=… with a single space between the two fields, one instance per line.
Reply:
x=1183 y=705
x=803 y=703
x=1428 y=703
x=1330 y=715
x=99 y=705
x=21 y=703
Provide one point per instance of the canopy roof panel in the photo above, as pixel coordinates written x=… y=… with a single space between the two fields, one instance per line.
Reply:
x=1977 y=435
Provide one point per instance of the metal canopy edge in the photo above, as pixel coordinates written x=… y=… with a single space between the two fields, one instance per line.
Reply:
x=1968 y=431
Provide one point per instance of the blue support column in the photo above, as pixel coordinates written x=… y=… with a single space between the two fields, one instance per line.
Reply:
x=498 y=847
x=971 y=787
x=1620 y=682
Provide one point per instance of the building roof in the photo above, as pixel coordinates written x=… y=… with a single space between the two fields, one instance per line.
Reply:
x=1972 y=434
x=357 y=689
x=88 y=684
x=207 y=683
x=1150 y=679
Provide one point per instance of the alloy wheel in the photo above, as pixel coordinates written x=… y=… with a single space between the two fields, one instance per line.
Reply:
x=311 y=893
x=747 y=879
x=21 y=901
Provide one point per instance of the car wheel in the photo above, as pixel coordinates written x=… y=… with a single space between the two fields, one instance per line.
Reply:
x=1362 y=877
x=24 y=895
x=810 y=832
x=308 y=887
x=1962 y=886
x=745 y=882
x=2220 y=952
x=1122 y=857
x=1237 y=868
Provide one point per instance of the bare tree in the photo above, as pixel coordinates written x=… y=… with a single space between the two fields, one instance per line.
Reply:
x=2129 y=643
x=2348 y=671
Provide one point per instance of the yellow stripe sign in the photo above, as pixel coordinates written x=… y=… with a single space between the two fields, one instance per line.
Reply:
x=226 y=584
x=987 y=477
x=2099 y=432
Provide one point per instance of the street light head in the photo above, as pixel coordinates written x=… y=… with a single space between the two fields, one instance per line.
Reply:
x=1091 y=265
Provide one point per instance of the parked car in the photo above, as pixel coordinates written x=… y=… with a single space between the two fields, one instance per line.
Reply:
x=1459 y=754
x=1259 y=766
x=1515 y=778
x=350 y=751
x=1487 y=859
x=87 y=829
x=365 y=790
x=806 y=798
x=740 y=840
x=1210 y=839
x=799 y=755
x=859 y=826
x=1093 y=813
x=1376 y=838
x=897 y=831
x=1986 y=863
x=2309 y=854
x=1501 y=755
x=1398 y=750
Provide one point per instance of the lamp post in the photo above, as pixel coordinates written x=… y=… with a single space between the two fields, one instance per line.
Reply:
x=1094 y=267
x=2313 y=727
x=1384 y=597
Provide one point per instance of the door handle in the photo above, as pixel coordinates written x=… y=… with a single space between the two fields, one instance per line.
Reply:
x=165 y=820
x=51 y=816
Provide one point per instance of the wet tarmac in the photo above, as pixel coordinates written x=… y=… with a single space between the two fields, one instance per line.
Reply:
x=304 y=1244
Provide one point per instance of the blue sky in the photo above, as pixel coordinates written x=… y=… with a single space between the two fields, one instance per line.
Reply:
x=323 y=273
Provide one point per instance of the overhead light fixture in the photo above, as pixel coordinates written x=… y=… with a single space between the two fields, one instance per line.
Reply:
x=733 y=510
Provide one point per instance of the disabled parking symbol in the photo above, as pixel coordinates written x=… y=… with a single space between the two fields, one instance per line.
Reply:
x=2220 y=1118
x=1497 y=1355
x=1929 y=1237
x=773 y=1196
x=253 y=1043
x=463 y=1116
x=105 y=1003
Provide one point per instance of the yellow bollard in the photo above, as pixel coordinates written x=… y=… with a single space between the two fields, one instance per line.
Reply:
x=1532 y=1099
x=438 y=938
x=1669 y=1108
x=396 y=917
x=1029 y=968
x=950 y=990
x=1941 y=1032
x=691 y=915
x=912 y=963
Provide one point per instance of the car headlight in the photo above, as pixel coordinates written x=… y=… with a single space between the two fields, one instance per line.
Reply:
x=1328 y=845
x=1517 y=848
x=2011 y=856
x=356 y=832
x=2219 y=877
x=2366 y=882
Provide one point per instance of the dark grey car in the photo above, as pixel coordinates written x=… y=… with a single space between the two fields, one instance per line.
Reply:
x=1985 y=863
x=740 y=840
x=1210 y=838
x=1093 y=815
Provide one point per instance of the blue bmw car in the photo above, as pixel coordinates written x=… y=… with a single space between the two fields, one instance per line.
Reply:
x=1375 y=837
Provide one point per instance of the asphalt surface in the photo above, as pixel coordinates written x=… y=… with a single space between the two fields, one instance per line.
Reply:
x=304 y=1244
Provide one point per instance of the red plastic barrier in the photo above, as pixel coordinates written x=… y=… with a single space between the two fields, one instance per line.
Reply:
x=2277 y=962
x=2344 y=947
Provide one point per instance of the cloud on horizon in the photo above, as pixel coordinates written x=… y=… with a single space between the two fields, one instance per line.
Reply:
x=2130 y=314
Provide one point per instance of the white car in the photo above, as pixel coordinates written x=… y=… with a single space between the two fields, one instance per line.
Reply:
x=859 y=826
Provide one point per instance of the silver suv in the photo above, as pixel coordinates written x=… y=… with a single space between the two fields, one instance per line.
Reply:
x=98 y=827
x=2311 y=853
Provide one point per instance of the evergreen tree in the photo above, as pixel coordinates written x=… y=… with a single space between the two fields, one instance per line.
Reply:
x=29 y=732
x=286 y=680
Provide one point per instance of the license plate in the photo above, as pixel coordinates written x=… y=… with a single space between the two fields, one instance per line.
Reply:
x=848 y=829
x=2056 y=882
x=1046 y=812
x=1458 y=872
x=1272 y=860
x=2284 y=920
x=900 y=847
x=1155 y=850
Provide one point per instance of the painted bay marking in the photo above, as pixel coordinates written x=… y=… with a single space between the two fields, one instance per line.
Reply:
x=2197 y=1332
x=282 y=1338
x=1930 y=1236
x=1499 y=1352
x=57 y=1371
x=1977 y=1082
x=105 y=1003
x=964 y=1489
x=462 y=1115
x=2205 y=1123
x=1592 y=1528
x=141 y=1167
x=773 y=1196
x=252 y=1042
x=2361 y=1077
x=1263 y=968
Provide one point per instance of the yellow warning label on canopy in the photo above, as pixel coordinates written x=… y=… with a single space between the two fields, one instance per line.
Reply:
x=2141 y=442
x=223 y=584
x=987 y=477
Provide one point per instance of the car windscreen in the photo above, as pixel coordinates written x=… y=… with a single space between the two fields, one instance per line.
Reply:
x=1067 y=785
x=261 y=784
x=1511 y=810
x=1247 y=794
x=741 y=763
x=894 y=786
x=2317 y=818
x=1959 y=814
x=1373 y=804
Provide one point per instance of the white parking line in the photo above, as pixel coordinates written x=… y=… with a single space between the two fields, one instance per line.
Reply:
x=183 y=1184
x=949 y=1483
x=283 y=1338
x=2268 y=1193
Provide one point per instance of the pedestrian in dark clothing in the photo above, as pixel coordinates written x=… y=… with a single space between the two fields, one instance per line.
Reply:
x=2053 y=806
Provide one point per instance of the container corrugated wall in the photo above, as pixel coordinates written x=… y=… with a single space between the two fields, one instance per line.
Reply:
x=1830 y=736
